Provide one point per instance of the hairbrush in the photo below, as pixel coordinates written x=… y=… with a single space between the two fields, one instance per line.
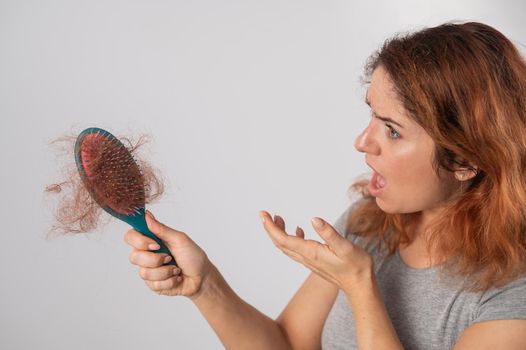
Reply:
x=114 y=180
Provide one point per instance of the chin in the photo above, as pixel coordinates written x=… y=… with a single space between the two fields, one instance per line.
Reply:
x=384 y=206
x=396 y=209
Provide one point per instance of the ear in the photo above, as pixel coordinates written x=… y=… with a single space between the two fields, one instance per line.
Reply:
x=464 y=169
x=464 y=174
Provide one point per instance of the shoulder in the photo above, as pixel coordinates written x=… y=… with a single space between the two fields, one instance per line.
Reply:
x=507 y=302
x=499 y=320
x=489 y=335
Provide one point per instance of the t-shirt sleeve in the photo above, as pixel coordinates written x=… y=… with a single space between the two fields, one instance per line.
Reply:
x=506 y=303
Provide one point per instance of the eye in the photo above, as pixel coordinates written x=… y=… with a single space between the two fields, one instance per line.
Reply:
x=393 y=134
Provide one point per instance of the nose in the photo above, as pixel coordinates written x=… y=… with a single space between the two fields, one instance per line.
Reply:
x=365 y=141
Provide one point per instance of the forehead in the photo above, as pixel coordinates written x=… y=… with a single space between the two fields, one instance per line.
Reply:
x=384 y=101
x=381 y=92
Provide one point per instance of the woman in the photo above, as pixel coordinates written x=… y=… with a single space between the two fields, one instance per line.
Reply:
x=433 y=255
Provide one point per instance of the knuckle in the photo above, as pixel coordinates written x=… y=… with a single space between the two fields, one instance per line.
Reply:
x=132 y=257
x=170 y=283
x=348 y=249
x=143 y=273
x=128 y=236
x=312 y=254
x=312 y=246
x=155 y=285
x=151 y=285
x=135 y=239
x=160 y=259
x=164 y=229
x=168 y=271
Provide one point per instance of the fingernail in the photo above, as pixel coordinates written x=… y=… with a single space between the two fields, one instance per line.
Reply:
x=262 y=216
x=150 y=214
x=154 y=246
x=179 y=278
x=316 y=222
x=167 y=259
x=176 y=271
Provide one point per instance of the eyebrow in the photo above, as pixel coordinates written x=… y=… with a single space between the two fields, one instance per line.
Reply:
x=385 y=119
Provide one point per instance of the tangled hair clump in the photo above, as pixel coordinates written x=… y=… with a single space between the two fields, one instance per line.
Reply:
x=465 y=85
x=76 y=211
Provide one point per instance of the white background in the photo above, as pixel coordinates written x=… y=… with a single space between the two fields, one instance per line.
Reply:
x=250 y=104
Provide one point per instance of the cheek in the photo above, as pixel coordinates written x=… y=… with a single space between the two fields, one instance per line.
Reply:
x=414 y=186
x=417 y=176
x=412 y=168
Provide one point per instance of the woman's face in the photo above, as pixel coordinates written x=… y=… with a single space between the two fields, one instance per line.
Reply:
x=402 y=154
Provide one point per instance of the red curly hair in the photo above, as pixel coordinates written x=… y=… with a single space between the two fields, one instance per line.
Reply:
x=76 y=211
x=465 y=84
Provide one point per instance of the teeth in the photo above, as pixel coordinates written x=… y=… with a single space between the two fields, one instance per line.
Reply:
x=380 y=181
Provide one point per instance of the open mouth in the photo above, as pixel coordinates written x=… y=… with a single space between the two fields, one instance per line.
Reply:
x=377 y=184
x=378 y=180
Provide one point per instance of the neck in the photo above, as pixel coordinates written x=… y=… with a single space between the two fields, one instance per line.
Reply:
x=416 y=253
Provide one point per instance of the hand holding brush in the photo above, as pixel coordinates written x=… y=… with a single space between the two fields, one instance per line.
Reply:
x=193 y=264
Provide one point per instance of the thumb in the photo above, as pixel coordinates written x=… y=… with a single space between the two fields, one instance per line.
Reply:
x=329 y=234
x=163 y=232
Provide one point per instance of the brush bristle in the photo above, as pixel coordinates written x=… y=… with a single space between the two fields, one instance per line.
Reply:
x=112 y=173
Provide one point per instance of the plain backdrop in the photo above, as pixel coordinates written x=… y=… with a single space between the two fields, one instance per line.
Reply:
x=249 y=105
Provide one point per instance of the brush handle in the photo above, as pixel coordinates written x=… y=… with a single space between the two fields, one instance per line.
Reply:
x=139 y=223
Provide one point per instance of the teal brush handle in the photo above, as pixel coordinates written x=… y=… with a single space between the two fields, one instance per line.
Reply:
x=139 y=223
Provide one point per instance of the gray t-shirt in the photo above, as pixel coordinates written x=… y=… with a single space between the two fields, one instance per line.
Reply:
x=426 y=313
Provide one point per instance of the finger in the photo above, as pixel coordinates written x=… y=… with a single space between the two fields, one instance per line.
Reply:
x=329 y=234
x=307 y=248
x=162 y=231
x=154 y=225
x=279 y=221
x=144 y=258
x=299 y=232
x=163 y=286
x=139 y=241
x=160 y=273
x=280 y=238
